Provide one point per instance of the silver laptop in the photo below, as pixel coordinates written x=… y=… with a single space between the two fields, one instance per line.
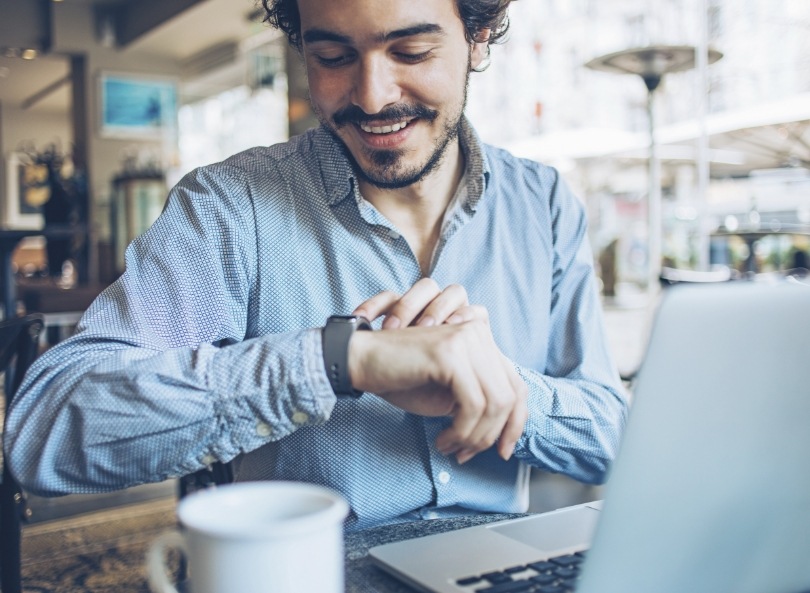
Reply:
x=711 y=489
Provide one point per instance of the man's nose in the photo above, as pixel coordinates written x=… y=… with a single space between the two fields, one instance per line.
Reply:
x=376 y=85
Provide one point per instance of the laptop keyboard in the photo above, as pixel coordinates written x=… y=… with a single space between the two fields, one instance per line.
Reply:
x=555 y=575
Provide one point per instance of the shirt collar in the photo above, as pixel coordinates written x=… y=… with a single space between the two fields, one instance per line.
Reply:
x=478 y=170
x=339 y=178
x=336 y=170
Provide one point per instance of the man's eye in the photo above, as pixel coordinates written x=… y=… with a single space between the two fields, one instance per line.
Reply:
x=414 y=58
x=334 y=62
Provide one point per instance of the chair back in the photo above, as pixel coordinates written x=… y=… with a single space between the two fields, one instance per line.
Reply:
x=216 y=474
x=19 y=342
x=19 y=346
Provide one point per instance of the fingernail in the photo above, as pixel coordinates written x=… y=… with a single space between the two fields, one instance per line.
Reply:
x=455 y=318
x=391 y=322
x=464 y=456
x=427 y=321
x=510 y=450
x=448 y=448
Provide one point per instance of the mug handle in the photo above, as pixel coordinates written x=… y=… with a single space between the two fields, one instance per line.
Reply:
x=156 y=560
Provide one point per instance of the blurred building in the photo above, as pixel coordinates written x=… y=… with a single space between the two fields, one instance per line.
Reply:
x=539 y=100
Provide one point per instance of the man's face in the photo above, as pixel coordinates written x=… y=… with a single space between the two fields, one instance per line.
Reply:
x=389 y=79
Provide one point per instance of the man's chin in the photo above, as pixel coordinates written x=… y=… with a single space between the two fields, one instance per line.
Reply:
x=386 y=169
x=384 y=180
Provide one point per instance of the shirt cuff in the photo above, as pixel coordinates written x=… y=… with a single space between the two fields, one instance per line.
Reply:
x=322 y=391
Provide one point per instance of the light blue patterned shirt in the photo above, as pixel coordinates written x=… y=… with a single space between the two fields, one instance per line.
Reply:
x=209 y=346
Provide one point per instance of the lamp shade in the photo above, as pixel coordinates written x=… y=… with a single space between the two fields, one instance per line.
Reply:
x=651 y=62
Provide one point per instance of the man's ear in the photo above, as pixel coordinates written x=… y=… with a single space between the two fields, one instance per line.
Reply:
x=479 y=51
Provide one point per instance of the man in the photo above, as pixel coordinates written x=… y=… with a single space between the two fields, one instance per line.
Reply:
x=211 y=347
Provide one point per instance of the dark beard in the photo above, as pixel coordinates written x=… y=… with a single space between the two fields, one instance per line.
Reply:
x=386 y=160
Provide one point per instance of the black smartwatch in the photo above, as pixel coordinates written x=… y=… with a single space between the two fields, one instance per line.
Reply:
x=336 y=335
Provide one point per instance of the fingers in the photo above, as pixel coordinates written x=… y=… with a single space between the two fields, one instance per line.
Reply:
x=470 y=407
x=491 y=406
x=424 y=305
x=412 y=303
x=453 y=368
x=516 y=423
x=377 y=305
x=493 y=417
x=512 y=431
x=450 y=301
x=469 y=313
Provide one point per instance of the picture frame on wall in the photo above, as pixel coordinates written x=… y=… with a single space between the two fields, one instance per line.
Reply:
x=26 y=192
x=136 y=107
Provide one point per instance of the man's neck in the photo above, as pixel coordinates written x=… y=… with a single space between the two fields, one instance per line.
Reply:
x=418 y=210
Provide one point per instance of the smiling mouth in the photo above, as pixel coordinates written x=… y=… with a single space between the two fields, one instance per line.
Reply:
x=389 y=129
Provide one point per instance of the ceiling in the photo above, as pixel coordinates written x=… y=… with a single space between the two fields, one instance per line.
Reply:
x=206 y=24
x=21 y=80
x=35 y=84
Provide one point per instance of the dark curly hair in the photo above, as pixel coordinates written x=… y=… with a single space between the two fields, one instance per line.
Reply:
x=476 y=15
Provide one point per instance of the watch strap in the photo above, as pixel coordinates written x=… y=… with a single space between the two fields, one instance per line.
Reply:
x=336 y=335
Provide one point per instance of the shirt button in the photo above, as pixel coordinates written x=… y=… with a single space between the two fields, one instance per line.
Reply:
x=444 y=477
x=300 y=417
x=263 y=429
x=393 y=234
x=209 y=459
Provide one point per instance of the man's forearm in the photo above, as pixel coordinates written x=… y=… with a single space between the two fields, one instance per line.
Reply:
x=91 y=420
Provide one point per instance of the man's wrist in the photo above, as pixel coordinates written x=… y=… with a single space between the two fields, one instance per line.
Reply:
x=358 y=359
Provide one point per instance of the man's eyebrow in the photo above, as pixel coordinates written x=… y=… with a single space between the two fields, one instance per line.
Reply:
x=315 y=35
x=421 y=29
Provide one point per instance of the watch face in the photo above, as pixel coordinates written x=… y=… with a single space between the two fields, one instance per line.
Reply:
x=352 y=319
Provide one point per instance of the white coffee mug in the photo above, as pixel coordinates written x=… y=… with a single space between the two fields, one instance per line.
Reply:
x=256 y=537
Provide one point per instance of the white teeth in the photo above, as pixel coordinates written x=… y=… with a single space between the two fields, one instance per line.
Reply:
x=383 y=129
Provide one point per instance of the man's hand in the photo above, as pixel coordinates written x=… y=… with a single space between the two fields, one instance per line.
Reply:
x=445 y=364
x=424 y=305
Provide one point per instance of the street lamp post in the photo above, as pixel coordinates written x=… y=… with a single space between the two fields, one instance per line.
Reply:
x=652 y=63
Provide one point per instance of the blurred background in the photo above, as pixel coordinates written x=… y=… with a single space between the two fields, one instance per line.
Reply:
x=734 y=142
x=104 y=105
x=683 y=125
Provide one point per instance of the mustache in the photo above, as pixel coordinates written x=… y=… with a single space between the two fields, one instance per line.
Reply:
x=352 y=114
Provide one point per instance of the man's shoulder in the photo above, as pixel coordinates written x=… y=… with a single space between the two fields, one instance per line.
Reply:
x=298 y=151
x=505 y=168
x=527 y=181
x=305 y=165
